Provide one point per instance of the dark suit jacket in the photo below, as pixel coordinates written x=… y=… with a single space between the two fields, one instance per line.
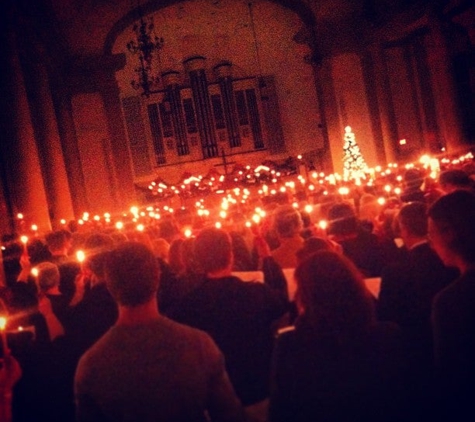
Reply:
x=408 y=287
x=238 y=316
x=406 y=294
x=318 y=377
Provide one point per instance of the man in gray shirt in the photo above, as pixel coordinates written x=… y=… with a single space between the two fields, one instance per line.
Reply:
x=147 y=367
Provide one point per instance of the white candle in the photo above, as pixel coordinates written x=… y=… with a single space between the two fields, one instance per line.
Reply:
x=3 y=325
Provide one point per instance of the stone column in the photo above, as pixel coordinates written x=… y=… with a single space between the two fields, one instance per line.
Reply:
x=48 y=140
x=122 y=176
x=72 y=160
x=26 y=184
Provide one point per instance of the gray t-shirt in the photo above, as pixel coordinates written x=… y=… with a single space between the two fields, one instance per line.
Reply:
x=161 y=371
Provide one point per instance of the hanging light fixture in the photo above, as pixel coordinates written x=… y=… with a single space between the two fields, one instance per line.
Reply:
x=144 y=44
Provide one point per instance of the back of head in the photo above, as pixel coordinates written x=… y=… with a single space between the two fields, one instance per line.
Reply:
x=132 y=274
x=168 y=229
x=287 y=221
x=450 y=180
x=48 y=276
x=161 y=248
x=413 y=216
x=342 y=219
x=99 y=242
x=312 y=245
x=454 y=216
x=413 y=178
x=332 y=293
x=213 y=250
x=57 y=240
x=175 y=255
x=97 y=246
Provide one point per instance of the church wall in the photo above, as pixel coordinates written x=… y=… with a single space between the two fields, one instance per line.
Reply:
x=91 y=129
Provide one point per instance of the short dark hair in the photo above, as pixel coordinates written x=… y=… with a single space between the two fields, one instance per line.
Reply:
x=455 y=177
x=57 y=239
x=413 y=178
x=342 y=219
x=287 y=221
x=312 y=245
x=132 y=274
x=453 y=214
x=413 y=216
x=213 y=249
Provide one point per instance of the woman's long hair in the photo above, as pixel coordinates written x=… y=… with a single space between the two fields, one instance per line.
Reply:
x=332 y=295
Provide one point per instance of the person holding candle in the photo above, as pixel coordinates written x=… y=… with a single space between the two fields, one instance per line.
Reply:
x=59 y=245
x=147 y=367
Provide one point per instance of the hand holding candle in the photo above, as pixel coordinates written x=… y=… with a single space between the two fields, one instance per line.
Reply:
x=24 y=240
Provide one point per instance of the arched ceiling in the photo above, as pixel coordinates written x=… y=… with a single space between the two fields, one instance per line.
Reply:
x=90 y=26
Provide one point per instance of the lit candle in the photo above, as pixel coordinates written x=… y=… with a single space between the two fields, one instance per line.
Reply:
x=3 y=326
x=80 y=256
x=24 y=240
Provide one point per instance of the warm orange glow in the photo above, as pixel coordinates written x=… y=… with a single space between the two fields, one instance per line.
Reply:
x=3 y=323
x=24 y=239
x=80 y=256
x=34 y=272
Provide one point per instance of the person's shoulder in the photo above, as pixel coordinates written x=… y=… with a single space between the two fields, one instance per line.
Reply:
x=95 y=354
x=459 y=291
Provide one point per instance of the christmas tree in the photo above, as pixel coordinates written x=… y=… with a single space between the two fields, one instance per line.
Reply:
x=354 y=165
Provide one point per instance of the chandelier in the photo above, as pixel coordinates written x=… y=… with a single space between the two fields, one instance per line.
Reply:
x=144 y=44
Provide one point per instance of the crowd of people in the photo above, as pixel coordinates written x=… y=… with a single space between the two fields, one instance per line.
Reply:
x=156 y=325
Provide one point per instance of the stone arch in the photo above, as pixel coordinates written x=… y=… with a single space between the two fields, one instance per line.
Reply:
x=305 y=13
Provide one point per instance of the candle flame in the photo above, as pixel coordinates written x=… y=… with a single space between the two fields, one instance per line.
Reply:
x=80 y=256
